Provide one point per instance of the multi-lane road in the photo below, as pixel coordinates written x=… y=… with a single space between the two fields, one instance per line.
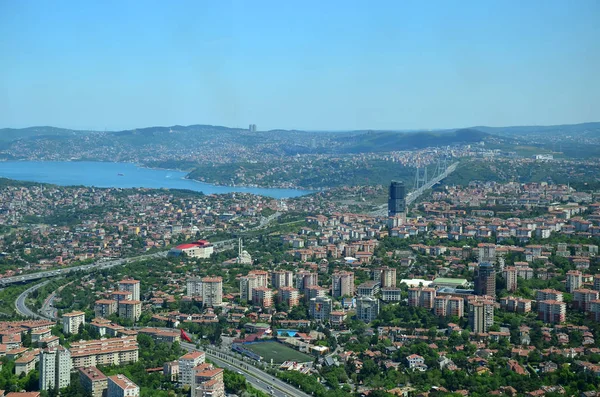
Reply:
x=22 y=307
x=257 y=378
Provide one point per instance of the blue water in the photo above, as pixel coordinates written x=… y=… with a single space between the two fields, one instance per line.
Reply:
x=98 y=174
x=290 y=332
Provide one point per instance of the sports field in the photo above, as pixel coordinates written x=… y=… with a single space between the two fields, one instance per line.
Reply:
x=278 y=352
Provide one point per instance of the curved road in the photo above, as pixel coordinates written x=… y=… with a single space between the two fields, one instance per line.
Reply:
x=22 y=308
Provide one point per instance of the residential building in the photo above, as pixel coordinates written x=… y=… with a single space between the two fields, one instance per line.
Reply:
x=416 y=362
x=171 y=370
x=583 y=297
x=552 y=311
x=26 y=363
x=72 y=321
x=515 y=304
x=594 y=312
x=194 y=287
x=131 y=310
x=481 y=315
x=314 y=291
x=342 y=284
x=368 y=288
x=121 y=386
x=247 y=285
x=510 y=275
x=105 y=307
x=290 y=296
x=187 y=363
x=336 y=319
x=121 y=296
x=306 y=279
x=320 y=308
x=93 y=381
x=391 y=294
x=548 y=294
x=103 y=352
x=262 y=296
x=597 y=282
x=55 y=368
x=574 y=280
x=448 y=306
x=212 y=291
x=131 y=285
x=367 y=308
x=485 y=279
x=282 y=278
x=208 y=382
x=421 y=297
x=386 y=276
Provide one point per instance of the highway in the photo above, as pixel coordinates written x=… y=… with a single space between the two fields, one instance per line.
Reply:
x=100 y=264
x=22 y=309
x=255 y=376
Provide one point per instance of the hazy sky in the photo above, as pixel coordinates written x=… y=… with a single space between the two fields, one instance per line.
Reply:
x=299 y=64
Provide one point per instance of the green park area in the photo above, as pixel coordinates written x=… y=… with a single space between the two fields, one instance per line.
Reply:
x=278 y=352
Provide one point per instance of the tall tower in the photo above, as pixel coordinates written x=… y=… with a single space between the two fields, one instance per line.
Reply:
x=485 y=279
x=396 y=199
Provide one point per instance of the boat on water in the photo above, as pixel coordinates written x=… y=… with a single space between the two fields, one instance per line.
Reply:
x=119 y=174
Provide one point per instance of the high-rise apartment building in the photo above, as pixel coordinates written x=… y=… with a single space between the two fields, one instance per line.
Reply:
x=574 y=280
x=132 y=286
x=367 y=308
x=481 y=315
x=306 y=279
x=72 y=321
x=448 y=306
x=212 y=291
x=319 y=308
x=55 y=368
x=486 y=253
x=187 y=363
x=131 y=310
x=396 y=199
x=290 y=296
x=583 y=297
x=262 y=296
x=386 y=276
x=421 y=297
x=194 y=287
x=485 y=279
x=105 y=307
x=342 y=284
x=552 y=311
x=282 y=278
x=510 y=275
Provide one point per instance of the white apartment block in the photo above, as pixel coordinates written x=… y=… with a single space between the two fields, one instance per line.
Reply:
x=187 y=363
x=55 y=368
x=72 y=321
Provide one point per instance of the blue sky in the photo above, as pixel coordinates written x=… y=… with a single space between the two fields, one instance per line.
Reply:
x=314 y=65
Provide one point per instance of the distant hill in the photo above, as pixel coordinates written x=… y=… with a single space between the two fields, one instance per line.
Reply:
x=389 y=141
x=12 y=134
x=591 y=129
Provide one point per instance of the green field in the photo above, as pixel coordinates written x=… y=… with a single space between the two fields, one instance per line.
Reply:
x=278 y=352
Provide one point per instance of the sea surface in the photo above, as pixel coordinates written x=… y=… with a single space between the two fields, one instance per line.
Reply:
x=122 y=175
